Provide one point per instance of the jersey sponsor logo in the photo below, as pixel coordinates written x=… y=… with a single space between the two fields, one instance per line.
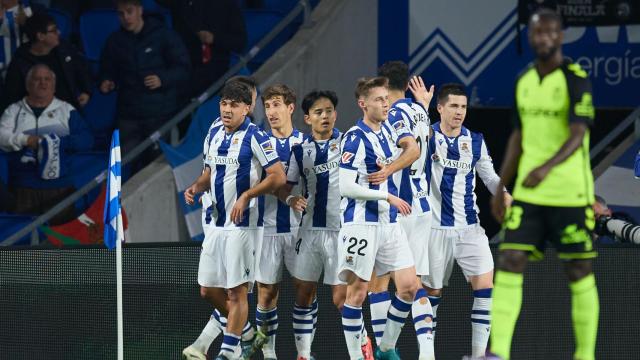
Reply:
x=322 y=168
x=223 y=160
x=585 y=106
x=538 y=111
x=347 y=156
x=456 y=164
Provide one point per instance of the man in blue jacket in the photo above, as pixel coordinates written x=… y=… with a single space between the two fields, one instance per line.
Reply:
x=40 y=132
x=145 y=62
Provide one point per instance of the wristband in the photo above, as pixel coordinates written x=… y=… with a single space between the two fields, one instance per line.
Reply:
x=288 y=200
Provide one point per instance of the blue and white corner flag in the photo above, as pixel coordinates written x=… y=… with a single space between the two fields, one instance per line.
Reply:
x=113 y=225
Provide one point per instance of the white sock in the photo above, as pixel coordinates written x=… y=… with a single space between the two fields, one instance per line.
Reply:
x=365 y=336
x=396 y=317
x=247 y=332
x=303 y=324
x=422 y=319
x=435 y=302
x=209 y=333
x=379 y=306
x=269 y=320
x=314 y=312
x=352 y=327
x=230 y=346
x=480 y=322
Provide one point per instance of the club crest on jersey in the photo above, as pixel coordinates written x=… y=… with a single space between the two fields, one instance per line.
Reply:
x=347 y=156
x=333 y=147
x=235 y=141
x=464 y=146
x=435 y=158
x=349 y=260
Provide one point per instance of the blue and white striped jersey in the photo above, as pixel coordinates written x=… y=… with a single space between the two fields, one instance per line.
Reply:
x=451 y=171
x=237 y=161
x=279 y=218
x=407 y=118
x=362 y=150
x=317 y=162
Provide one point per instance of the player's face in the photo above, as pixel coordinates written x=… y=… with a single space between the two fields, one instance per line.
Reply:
x=322 y=117
x=278 y=113
x=545 y=37
x=376 y=104
x=232 y=113
x=453 y=111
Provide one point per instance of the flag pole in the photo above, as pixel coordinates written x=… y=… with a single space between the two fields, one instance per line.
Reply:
x=119 y=300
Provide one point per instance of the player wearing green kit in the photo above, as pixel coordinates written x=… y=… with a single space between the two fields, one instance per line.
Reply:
x=553 y=193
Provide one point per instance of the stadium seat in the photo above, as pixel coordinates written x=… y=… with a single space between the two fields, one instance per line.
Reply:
x=100 y=113
x=10 y=224
x=259 y=23
x=283 y=6
x=63 y=22
x=95 y=28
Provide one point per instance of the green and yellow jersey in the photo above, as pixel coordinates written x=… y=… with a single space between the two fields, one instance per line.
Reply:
x=544 y=109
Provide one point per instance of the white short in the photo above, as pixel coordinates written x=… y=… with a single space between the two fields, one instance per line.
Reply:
x=468 y=247
x=365 y=247
x=272 y=251
x=227 y=258
x=316 y=250
x=418 y=230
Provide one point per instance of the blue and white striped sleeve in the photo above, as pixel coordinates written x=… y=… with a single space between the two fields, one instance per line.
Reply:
x=352 y=158
x=400 y=124
x=263 y=149
x=486 y=171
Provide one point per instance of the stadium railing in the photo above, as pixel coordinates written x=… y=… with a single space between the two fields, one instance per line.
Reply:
x=302 y=7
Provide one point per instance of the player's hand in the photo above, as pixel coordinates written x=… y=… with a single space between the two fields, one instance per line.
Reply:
x=401 y=205
x=536 y=176
x=420 y=92
x=238 y=209
x=508 y=199
x=190 y=194
x=499 y=206
x=152 y=82
x=298 y=203
x=380 y=176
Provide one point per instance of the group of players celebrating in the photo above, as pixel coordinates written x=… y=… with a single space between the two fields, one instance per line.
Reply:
x=390 y=198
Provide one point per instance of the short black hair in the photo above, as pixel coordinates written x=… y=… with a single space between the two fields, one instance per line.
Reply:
x=316 y=95
x=250 y=81
x=450 y=89
x=38 y=23
x=398 y=74
x=236 y=91
x=546 y=14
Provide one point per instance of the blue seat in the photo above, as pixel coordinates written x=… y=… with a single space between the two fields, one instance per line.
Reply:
x=283 y=6
x=95 y=28
x=63 y=22
x=11 y=224
x=259 y=23
x=100 y=114
x=235 y=58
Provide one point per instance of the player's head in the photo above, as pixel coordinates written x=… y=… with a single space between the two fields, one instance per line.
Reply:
x=279 y=102
x=373 y=97
x=320 y=114
x=398 y=74
x=545 y=33
x=251 y=82
x=235 y=102
x=452 y=104
x=130 y=14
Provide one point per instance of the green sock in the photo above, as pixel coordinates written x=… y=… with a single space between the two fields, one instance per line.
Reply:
x=507 y=300
x=585 y=308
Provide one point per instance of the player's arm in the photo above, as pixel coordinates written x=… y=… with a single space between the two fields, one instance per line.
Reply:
x=351 y=189
x=486 y=171
x=410 y=153
x=420 y=92
x=202 y=183
x=275 y=178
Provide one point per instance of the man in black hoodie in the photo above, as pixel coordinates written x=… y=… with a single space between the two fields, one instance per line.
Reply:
x=211 y=30
x=73 y=80
x=145 y=62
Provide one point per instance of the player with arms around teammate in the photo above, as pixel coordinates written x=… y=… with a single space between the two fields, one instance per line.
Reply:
x=457 y=155
x=315 y=164
x=218 y=321
x=276 y=247
x=239 y=155
x=549 y=150
x=410 y=123
x=371 y=236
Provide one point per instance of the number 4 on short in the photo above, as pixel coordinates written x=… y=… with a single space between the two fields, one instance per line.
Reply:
x=353 y=242
x=298 y=246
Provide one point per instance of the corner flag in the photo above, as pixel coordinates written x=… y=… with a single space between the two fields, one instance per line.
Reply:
x=113 y=224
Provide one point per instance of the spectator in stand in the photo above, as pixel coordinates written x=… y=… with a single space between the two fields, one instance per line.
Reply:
x=145 y=62
x=13 y=14
x=211 y=30
x=40 y=132
x=73 y=80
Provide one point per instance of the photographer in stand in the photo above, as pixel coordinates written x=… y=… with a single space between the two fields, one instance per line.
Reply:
x=614 y=227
